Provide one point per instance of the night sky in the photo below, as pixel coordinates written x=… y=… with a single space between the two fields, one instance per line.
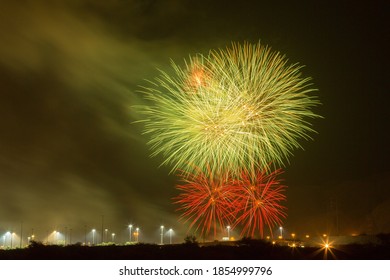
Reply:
x=70 y=74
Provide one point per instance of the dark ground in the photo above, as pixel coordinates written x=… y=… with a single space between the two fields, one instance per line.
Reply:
x=244 y=249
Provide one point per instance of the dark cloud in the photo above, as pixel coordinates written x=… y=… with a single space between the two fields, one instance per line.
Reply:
x=69 y=75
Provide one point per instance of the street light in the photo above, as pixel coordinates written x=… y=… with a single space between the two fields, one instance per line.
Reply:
x=281 y=232
x=113 y=237
x=12 y=235
x=130 y=227
x=105 y=233
x=93 y=236
x=228 y=232
x=5 y=235
x=162 y=235
x=55 y=237
x=137 y=234
x=170 y=236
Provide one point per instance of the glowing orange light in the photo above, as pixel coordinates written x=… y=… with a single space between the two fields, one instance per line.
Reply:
x=197 y=77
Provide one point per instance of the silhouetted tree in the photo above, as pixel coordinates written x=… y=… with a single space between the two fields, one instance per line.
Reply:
x=191 y=240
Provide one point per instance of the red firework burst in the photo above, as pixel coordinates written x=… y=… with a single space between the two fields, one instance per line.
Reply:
x=206 y=201
x=258 y=201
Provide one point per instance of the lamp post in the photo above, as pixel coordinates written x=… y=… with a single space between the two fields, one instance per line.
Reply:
x=105 y=233
x=162 y=235
x=85 y=235
x=113 y=237
x=228 y=232
x=137 y=235
x=170 y=236
x=93 y=237
x=102 y=236
x=281 y=231
x=130 y=227
x=5 y=236
x=12 y=235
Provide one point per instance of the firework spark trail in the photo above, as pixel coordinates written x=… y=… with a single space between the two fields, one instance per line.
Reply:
x=258 y=202
x=241 y=107
x=206 y=202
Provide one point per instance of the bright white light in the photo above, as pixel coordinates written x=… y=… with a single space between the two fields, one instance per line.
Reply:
x=162 y=235
x=170 y=236
x=130 y=228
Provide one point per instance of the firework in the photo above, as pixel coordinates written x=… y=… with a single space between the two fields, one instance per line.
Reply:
x=241 y=107
x=206 y=202
x=258 y=203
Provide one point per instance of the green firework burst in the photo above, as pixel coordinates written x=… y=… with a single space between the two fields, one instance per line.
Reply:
x=241 y=107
